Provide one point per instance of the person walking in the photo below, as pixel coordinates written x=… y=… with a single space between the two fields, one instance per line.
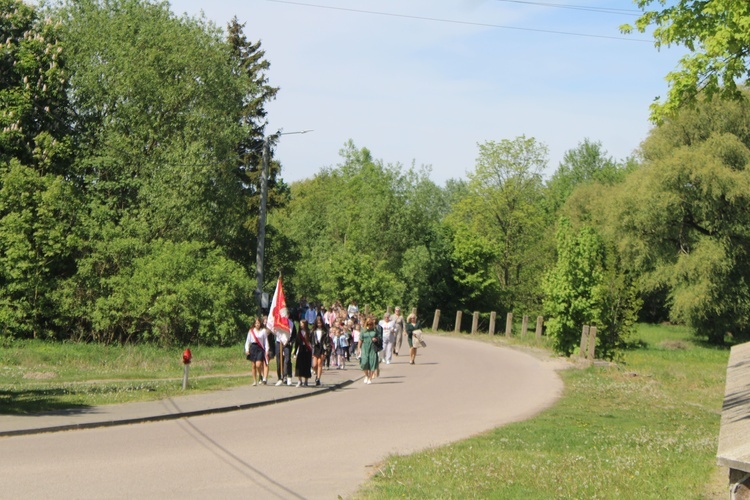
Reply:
x=412 y=339
x=284 y=345
x=256 y=350
x=399 y=326
x=321 y=347
x=368 y=359
x=387 y=325
x=303 y=354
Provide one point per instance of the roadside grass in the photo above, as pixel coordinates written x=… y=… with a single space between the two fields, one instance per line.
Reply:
x=37 y=376
x=646 y=428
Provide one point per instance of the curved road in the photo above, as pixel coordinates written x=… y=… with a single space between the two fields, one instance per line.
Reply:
x=318 y=447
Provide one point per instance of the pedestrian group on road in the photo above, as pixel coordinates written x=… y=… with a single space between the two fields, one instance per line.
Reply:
x=321 y=338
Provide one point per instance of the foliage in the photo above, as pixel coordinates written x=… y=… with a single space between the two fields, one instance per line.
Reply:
x=572 y=289
x=126 y=194
x=366 y=231
x=586 y=163
x=717 y=34
x=683 y=219
x=498 y=226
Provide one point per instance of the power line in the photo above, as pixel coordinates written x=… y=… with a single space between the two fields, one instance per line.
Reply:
x=453 y=21
x=602 y=10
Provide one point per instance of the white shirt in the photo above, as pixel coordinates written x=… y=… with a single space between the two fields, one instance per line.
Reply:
x=262 y=336
x=387 y=330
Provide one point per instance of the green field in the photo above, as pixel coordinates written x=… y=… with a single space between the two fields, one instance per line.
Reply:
x=40 y=376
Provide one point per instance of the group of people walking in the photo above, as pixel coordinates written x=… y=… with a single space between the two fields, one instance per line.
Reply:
x=320 y=338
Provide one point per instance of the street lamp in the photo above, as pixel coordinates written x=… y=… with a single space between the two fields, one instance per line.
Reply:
x=260 y=253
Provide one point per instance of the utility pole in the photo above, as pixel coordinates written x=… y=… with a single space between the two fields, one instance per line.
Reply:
x=260 y=253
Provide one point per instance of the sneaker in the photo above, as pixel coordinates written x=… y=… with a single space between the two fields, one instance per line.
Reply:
x=279 y=382
x=299 y=384
x=365 y=380
x=388 y=362
x=288 y=381
x=255 y=383
x=368 y=381
x=317 y=382
x=265 y=382
x=305 y=383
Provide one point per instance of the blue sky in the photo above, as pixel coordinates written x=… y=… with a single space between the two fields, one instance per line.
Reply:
x=414 y=88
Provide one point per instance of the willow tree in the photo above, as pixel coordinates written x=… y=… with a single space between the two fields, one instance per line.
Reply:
x=682 y=218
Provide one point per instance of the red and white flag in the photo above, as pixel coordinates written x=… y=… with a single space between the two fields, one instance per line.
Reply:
x=278 y=316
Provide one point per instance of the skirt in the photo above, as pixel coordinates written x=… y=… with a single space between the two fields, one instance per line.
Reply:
x=256 y=353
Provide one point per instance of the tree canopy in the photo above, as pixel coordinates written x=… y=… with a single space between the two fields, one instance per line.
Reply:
x=717 y=34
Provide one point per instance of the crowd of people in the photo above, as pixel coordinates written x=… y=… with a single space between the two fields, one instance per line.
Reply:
x=321 y=338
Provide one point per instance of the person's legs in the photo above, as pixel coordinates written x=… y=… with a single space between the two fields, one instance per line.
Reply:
x=412 y=354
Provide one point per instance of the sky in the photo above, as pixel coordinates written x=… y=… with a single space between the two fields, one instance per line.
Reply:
x=423 y=82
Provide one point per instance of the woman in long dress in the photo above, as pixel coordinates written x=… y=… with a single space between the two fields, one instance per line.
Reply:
x=368 y=359
x=303 y=353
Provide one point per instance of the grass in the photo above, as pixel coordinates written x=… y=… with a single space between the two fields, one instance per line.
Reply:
x=645 y=428
x=38 y=376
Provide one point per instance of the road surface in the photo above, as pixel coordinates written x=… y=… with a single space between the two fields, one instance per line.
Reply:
x=319 y=447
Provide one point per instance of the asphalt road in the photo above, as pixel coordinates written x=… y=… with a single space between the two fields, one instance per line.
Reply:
x=318 y=447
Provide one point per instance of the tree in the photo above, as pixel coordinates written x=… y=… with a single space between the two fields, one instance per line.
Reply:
x=250 y=60
x=587 y=286
x=366 y=231
x=158 y=105
x=498 y=226
x=588 y=162
x=683 y=218
x=37 y=203
x=717 y=33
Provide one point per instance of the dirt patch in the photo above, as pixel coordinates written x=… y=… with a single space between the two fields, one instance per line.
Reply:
x=39 y=375
x=674 y=345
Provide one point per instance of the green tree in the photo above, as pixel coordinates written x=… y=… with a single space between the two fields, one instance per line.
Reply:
x=159 y=106
x=588 y=286
x=717 y=34
x=250 y=60
x=37 y=203
x=588 y=162
x=366 y=231
x=498 y=248
x=682 y=218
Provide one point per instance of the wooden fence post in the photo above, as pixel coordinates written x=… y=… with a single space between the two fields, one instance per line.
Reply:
x=475 y=323
x=539 y=327
x=436 y=320
x=524 y=326
x=493 y=316
x=592 y=343
x=457 y=328
x=584 y=340
x=509 y=324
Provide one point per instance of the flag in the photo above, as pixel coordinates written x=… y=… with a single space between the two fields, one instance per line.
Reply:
x=278 y=317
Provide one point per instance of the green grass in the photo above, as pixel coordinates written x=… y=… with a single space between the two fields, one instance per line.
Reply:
x=646 y=428
x=38 y=376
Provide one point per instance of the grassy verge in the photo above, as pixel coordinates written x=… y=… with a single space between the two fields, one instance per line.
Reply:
x=646 y=428
x=39 y=376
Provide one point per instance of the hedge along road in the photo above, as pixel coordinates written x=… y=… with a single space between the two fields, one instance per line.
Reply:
x=319 y=447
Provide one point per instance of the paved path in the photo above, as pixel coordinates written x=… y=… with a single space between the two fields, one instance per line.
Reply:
x=318 y=447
